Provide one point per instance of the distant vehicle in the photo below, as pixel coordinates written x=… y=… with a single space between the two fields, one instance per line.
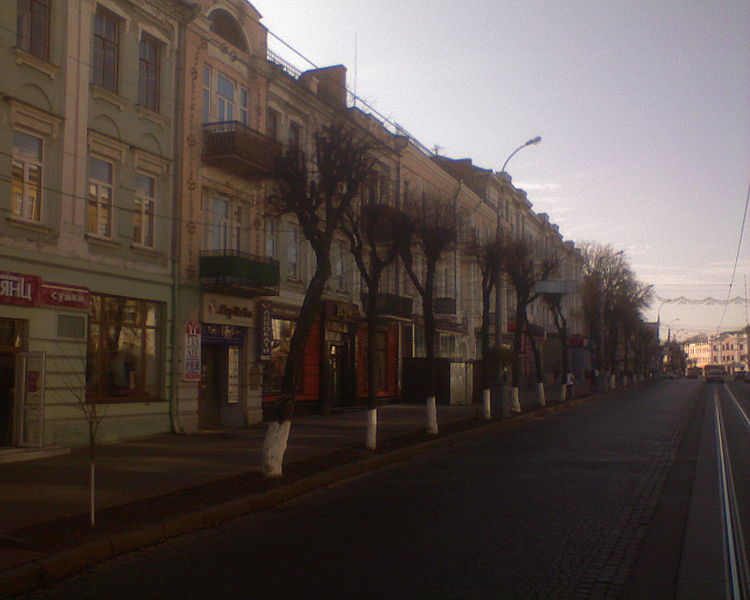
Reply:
x=714 y=373
x=693 y=372
x=742 y=376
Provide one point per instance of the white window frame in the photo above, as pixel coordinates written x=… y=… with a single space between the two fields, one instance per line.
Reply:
x=292 y=251
x=98 y=202
x=269 y=234
x=222 y=108
x=29 y=206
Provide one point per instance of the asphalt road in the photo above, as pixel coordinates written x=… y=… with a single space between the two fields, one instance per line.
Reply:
x=614 y=498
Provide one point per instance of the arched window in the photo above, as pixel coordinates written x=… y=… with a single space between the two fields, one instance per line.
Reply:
x=226 y=26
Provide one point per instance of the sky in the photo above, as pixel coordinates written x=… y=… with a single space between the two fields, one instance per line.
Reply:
x=643 y=107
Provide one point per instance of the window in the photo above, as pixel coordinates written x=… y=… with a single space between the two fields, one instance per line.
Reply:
x=295 y=135
x=26 y=180
x=229 y=100
x=207 y=79
x=273 y=370
x=148 y=73
x=124 y=349
x=272 y=124
x=224 y=224
x=143 y=214
x=101 y=185
x=106 y=50
x=338 y=277
x=32 y=32
x=270 y=238
x=292 y=251
x=226 y=26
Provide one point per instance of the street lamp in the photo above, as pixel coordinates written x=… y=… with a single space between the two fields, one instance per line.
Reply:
x=499 y=297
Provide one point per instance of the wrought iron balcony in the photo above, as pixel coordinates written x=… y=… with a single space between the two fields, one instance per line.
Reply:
x=445 y=306
x=236 y=147
x=239 y=273
x=391 y=305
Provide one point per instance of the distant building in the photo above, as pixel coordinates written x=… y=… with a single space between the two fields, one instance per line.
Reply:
x=728 y=349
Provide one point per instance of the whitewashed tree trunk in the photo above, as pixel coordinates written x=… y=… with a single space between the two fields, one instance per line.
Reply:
x=432 y=425
x=372 y=429
x=515 y=405
x=92 y=494
x=563 y=390
x=487 y=405
x=613 y=381
x=542 y=397
x=274 y=447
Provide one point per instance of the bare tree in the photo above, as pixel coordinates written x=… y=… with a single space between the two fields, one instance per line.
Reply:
x=72 y=374
x=318 y=198
x=433 y=223
x=488 y=256
x=375 y=240
x=526 y=264
x=554 y=303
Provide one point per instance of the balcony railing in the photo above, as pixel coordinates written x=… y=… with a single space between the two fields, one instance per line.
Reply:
x=444 y=306
x=239 y=273
x=236 y=147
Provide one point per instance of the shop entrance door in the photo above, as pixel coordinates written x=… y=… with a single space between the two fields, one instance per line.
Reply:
x=341 y=374
x=7 y=397
x=213 y=386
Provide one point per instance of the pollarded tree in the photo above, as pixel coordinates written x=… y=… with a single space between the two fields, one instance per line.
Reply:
x=431 y=222
x=318 y=197
x=376 y=239
x=488 y=256
x=526 y=264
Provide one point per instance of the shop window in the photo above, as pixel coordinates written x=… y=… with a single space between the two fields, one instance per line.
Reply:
x=69 y=326
x=106 y=50
x=32 y=31
x=273 y=371
x=26 y=179
x=100 y=199
x=148 y=72
x=124 y=349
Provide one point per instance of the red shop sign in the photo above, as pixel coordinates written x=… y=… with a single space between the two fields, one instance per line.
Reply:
x=17 y=288
x=70 y=296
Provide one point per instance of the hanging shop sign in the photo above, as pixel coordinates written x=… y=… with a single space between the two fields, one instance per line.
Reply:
x=227 y=310
x=265 y=331
x=191 y=369
x=226 y=335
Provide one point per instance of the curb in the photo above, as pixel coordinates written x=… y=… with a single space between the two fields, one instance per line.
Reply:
x=60 y=565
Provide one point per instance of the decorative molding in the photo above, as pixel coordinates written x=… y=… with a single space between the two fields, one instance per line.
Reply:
x=24 y=58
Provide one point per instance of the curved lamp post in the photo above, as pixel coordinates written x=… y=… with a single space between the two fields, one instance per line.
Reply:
x=499 y=291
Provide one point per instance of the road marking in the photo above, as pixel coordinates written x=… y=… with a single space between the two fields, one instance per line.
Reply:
x=733 y=539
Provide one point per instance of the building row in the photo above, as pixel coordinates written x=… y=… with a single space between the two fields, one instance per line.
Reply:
x=140 y=267
x=730 y=349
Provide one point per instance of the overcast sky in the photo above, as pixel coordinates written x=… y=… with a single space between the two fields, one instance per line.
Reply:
x=643 y=107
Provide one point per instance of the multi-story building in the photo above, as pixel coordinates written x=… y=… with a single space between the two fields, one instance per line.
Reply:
x=143 y=270
x=86 y=192
x=730 y=349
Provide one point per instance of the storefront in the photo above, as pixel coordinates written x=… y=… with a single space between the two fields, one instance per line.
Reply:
x=227 y=396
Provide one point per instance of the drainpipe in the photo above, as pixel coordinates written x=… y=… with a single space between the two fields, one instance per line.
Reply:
x=191 y=11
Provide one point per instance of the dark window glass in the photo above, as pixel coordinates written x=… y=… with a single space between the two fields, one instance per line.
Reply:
x=106 y=50
x=32 y=33
x=148 y=74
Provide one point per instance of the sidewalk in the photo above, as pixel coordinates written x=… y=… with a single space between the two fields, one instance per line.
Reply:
x=153 y=488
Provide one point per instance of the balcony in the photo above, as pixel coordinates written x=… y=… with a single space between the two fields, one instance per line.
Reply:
x=444 y=306
x=391 y=305
x=238 y=273
x=235 y=147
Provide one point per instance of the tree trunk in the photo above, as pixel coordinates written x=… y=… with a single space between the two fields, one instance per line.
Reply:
x=277 y=434
x=517 y=339
x=372 y=401
x=428 y=309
